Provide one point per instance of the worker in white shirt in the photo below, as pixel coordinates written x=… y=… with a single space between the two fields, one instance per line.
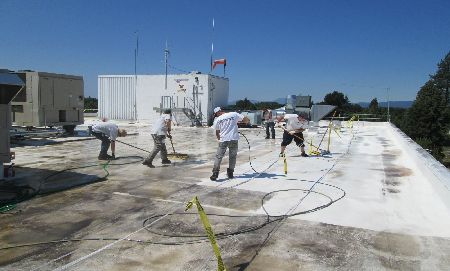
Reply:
x=270 y=124
x=295 y=125
x=161 y=129
x=226 y=128
x=107 y=132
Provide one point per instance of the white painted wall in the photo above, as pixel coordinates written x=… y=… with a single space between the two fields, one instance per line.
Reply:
x=117 y=97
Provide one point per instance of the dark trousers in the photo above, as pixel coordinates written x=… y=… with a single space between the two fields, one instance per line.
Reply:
x=105 y=142
x=232 y=152
x=271 y=125
x=159 y=145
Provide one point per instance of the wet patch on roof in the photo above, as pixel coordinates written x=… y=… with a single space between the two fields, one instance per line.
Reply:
x=397 y=172
x=235 y=199
x=391 y=190
x=397 y=251
x=337 y=174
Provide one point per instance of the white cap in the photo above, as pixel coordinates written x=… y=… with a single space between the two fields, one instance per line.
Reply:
x=217 y=109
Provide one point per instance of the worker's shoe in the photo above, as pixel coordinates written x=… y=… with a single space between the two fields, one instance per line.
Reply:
x=105 y=157
x=304 y=154
x=230 y=173
x=166 y=162
x=148 y=163
x=267 y=137
x=214 y=176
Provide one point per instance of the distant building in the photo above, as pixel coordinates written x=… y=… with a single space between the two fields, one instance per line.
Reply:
x=192 y=97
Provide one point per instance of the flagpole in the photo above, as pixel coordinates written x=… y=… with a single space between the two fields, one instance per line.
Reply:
x=212 y=48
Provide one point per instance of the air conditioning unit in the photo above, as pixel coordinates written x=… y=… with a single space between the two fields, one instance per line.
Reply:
x=10 y=86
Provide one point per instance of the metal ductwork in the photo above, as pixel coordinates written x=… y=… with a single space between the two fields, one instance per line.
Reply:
x=318 y=111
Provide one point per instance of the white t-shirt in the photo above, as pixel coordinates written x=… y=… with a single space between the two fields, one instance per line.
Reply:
x=227 y=124
x=292 y=122
x=159 y=127
x=106 y=128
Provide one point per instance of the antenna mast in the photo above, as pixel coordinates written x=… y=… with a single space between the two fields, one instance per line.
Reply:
x=136 y=52
x=166 y=58
x=212 y=48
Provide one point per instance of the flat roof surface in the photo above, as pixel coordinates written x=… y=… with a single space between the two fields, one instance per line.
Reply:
x=376 y=202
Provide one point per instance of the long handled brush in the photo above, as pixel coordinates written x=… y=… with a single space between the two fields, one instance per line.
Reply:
x=176 y=154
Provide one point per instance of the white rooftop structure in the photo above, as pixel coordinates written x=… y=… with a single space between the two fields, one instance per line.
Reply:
x=140 y=97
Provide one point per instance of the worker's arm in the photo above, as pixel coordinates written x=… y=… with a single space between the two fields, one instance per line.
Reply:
x=218 y=134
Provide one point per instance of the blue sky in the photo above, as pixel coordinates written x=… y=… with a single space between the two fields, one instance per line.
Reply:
x=273 y=48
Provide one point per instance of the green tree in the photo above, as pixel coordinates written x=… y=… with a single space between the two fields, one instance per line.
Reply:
x=442 y=77
x=267 y=105
x=429 y=118
x=245 y=105
x=398 y=117
x=373 y=106
x=352 y=108
x=341 y=101
x=90 y=103
x=336 y=98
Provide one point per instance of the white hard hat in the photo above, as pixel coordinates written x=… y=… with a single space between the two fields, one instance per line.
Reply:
x=217 y=109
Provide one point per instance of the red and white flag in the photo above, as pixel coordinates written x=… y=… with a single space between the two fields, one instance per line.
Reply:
x=222 y=61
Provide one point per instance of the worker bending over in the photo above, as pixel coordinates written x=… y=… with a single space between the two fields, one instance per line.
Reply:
x=161 y=129
x=226 y=128
x=295 y=125
x=107 y=132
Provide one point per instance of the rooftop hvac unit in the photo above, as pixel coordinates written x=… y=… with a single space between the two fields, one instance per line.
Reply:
x=10 y=86
x=303 y=101
x=49 y=99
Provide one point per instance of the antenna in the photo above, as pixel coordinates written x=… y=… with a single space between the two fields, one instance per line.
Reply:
x=166 y=58
x=212 y=47
x=136 y=52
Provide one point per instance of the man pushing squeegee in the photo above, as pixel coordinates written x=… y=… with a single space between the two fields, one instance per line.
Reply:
x=161 y=130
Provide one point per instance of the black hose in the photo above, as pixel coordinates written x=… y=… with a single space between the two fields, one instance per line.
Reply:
x=249 y=153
